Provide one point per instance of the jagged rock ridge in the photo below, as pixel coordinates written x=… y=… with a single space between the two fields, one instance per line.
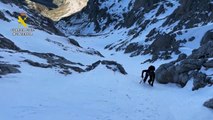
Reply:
x=57 y=9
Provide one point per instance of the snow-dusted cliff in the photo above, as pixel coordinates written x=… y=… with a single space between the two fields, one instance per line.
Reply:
x=64 y=7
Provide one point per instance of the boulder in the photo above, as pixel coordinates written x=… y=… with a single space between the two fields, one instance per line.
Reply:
x=165 y=74
x=183 y=79
x=169 y=73
x=191 y=39
x=200 y=80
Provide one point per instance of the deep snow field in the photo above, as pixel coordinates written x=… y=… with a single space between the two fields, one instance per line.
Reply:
x=101 y=94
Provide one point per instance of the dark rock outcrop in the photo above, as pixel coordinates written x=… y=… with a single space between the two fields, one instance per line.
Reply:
x=93 y=66
x=112 y=65
x=8 y=68
x=118 y=66
x=208 y=64
x=186 y=68
x=16 y=2
x=209 y=103
x=91 y=51
x=2 y=16
x=53 y=61
x=181 y=57
x=189 y=14
x=47 y=3
x=164 y=43
x=205 y=51
x=66 y=66
x=7 y=44
x=132 y=47
x=200 y=80
x=207 y=37
x=36 y=64
x=74 y=42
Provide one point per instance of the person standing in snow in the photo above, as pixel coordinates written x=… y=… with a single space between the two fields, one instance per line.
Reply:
x=150 y=72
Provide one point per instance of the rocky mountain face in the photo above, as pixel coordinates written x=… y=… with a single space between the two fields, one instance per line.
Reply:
x=56 y=9
x=178 y=30
x=163 y=20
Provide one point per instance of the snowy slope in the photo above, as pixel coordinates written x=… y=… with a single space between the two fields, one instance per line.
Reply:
x=38 y=93
x=41 y=41
x=88 y=97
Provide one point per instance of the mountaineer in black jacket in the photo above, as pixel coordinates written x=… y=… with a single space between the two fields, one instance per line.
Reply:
x=150 y=72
